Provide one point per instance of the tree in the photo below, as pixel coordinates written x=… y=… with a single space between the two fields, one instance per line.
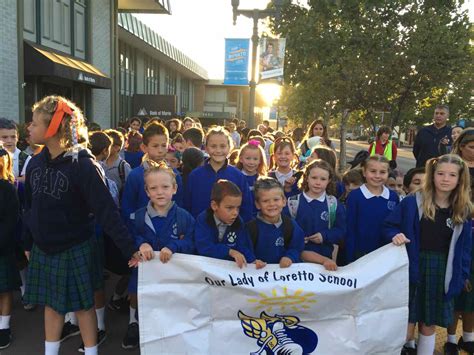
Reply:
x=399 y=56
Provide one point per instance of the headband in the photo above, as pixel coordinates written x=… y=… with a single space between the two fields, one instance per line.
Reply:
x=62 y=108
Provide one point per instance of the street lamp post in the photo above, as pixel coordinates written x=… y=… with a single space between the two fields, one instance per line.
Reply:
x=255 y=14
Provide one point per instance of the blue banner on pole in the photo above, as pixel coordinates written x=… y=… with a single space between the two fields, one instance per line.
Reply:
x=236 y=61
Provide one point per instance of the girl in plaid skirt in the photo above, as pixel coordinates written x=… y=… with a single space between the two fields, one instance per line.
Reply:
x=65 y=196
x=9 y=214
x=435 y=225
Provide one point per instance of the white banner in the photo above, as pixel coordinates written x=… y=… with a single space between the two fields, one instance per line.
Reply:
x=198 y=305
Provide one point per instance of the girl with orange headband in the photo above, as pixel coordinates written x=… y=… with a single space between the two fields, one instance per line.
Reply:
x=65 y=195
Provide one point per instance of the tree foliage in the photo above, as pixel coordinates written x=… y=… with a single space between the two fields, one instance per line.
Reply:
x=399 y=56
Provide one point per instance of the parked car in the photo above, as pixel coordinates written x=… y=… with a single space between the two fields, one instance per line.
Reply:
x=350 y=136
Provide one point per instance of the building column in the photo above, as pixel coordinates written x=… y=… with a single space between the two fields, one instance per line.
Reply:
x=9 y=64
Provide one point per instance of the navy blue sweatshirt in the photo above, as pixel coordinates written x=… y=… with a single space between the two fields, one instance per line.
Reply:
x=427 y=143
x=9 y=214
x=197 y=197
x=365 y=214
x=270 y=246
x=64 y=199
x=206 y=237
x=313 y=218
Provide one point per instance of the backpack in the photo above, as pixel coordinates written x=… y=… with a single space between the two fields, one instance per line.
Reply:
x=22 y=158
x=121 y=172
x=180 y=220
x=294 y=202
x=252 y=228
x=113 y=189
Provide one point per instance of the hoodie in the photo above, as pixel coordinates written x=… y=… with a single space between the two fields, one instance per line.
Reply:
x=63 y=201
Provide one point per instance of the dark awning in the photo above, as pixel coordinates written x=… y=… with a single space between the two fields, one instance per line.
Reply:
x=44 y=62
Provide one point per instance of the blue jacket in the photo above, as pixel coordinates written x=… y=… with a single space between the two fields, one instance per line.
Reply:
x=294 y=188
x=313 y=216
x=206 y=236
x=427 y=143
x=197 y=197
x=134 y=195
x=365 y=218
x=406 y=219
x=270 y=246
x=251 y=181
x=133 y=158
x=164 y=231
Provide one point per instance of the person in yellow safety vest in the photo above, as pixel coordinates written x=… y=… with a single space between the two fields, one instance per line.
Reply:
x=384 y=146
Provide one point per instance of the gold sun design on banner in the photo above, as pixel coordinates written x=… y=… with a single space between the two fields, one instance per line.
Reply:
x=299 y=301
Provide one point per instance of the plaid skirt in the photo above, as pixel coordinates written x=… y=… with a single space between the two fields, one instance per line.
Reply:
x=465 y=301
x=65 y=281
x=427 y=303
x=9 y=276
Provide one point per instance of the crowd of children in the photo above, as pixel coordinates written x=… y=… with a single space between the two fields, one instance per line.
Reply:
x=110 y=199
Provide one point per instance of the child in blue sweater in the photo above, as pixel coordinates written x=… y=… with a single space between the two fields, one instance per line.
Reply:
x=276 y=238
x=9 y=215
x=435 y=226
x=283 y=160
x=155 y=145
x=201 y=180
x=317 y=211
x=367 y=207
x=252 y=163
x=220 y=232
x=161 y=226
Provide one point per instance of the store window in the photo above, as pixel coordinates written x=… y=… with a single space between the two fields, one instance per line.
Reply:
x=127 y=86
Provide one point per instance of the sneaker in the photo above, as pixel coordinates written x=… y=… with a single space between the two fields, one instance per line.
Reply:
x=132 y=338
x=117 y=305
x=69 y=330
x=467 y=346
x=450 y=349
x=5 y=338
x=406 y=350
x=101 y=336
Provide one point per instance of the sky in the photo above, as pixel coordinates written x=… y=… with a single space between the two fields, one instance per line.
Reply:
x=199 y=28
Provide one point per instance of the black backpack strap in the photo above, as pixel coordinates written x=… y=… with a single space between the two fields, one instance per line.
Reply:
x=287 y=230
x=252 y=229
x=121 y=171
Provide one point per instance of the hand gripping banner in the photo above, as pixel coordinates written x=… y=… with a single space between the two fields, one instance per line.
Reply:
x=198 y=305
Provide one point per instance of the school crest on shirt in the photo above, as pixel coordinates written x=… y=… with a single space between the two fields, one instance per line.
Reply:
x=174 y=234
x=391 y=205
x=279 y=242
x=450 y=223
x=231 y=237
x=325 y=216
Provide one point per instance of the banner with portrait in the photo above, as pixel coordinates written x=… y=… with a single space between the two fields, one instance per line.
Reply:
x=272 y=59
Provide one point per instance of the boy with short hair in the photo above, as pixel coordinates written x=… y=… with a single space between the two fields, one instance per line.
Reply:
x=220 y=232
x=276 y=238
x=352 y=179
x=193 y=137
x=155 y=146
x=9 y=137
x=413 y=179
x=116 y=168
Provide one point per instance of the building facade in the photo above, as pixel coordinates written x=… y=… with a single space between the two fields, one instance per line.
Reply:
x=95 y=53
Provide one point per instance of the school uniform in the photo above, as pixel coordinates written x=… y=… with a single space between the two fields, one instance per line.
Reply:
x=365 y=214
x=160 y=231
x=215 y=239
x=9 y=215
x=197 y=197
x=270 y=244
x=251 y=181
x=133 y=158
x=134 y=195
x=465 y=301
x=63 y=201
x=118 y=172
x=282 y=178
x=440 y=259
x=313 y=217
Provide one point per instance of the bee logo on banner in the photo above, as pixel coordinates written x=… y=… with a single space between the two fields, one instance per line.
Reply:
x=272 y=59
